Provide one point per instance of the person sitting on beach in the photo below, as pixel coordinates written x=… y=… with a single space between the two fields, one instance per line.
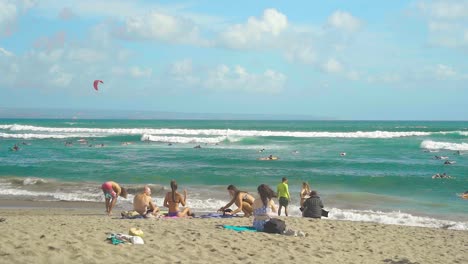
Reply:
x=172 y=201
x=112 y=190
x=264 y=208
x=242 y=199
x=143 y=204
x=313 y=206
x=304 y=194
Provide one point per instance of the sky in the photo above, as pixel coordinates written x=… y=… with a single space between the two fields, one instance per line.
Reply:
x=350 y=60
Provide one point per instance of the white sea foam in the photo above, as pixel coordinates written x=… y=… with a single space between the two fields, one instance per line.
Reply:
x=200 y=204
x=33 y=181
x=434 y=145
x=219 y=132
x=45 y=136
x=394 y=218
x=173 y=139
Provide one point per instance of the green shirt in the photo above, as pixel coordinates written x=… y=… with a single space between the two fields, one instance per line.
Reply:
x=283 y=190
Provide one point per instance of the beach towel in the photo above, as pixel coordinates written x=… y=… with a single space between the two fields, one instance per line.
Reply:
x=216 y=215
x=240 y=228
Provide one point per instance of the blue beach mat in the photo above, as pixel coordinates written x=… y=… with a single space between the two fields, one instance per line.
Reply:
x=216 y=215
x=240 y=228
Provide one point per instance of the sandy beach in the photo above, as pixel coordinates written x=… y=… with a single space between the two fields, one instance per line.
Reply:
x=61 y=235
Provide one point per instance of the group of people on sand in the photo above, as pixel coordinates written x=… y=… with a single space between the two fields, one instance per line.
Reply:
x=262 y=208
x=143 y=203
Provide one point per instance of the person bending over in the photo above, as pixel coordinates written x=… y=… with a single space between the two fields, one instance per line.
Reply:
x=112 y=190
x=242 y=199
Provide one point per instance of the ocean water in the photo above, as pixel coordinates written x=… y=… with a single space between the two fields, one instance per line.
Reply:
x=384 y=177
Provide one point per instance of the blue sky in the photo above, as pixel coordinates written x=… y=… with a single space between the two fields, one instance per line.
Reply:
x=361 y=60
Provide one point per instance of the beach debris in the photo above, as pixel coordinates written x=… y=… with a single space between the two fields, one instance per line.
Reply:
x=136 y=232
x=2 y=219
x=117 y=239
x=96 y=83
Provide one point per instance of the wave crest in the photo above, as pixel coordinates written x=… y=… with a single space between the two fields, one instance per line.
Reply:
x=434 y=145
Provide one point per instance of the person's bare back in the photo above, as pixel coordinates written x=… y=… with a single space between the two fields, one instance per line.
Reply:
x=143 y=204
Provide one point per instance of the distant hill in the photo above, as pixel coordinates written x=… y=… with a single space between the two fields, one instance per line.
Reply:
x=31 y=113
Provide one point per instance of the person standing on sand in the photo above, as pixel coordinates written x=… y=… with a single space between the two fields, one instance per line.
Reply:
x=283 y=196
x=172 y=200
x=304 y=194
x=143 y=204
x=112 y=190
x=242 y=199
x=263 y=207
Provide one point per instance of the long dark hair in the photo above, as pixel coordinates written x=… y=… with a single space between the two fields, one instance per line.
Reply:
x=266 y=193
x=233 y=188
x=174 y=189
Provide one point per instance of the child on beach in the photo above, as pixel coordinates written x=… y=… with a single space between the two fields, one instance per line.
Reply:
x=242 y=199
x=263 y=207
x=172 y=201
x=283 y=196
x=112 y=191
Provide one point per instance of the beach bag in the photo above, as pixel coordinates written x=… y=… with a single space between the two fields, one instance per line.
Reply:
x=274 y=226
x=324 y=213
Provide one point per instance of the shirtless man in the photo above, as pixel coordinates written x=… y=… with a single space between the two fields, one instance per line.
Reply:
x=143 y=204
x=172 y=200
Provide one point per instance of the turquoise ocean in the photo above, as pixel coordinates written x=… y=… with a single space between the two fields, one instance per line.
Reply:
x=385 y=176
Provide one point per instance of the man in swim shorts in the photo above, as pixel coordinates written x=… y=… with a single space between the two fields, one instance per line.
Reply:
x=143 y=204
x=283 y=196
x=112 y=190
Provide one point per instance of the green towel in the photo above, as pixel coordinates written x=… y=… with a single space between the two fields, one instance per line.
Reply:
x=240 y=228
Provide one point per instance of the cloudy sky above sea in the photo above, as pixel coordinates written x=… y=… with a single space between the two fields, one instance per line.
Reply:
x=338 y=59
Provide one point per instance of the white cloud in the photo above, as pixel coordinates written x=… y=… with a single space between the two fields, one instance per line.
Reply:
x=443 y=72
x=5 y=52
x=86 y=55
x=256 y=32
x=137 y=72
x=182 y=71
x=239 y=79
x=332 y=66
x=8 y=13
x=445 y=9
x=162 y=27
x=66 y=14
x=305 y=55
x=344 y=21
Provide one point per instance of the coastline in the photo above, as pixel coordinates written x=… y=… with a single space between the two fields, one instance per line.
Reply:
x=78 y=235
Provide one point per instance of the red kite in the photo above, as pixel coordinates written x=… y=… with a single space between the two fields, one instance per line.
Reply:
x=96 y=82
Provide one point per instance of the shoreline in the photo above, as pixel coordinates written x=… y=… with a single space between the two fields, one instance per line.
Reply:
x=98 y=209
x=67 y=235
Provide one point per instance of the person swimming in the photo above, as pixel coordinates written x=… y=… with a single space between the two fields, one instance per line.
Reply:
x=448 y=162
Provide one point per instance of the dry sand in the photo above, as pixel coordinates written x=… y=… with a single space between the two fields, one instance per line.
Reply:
x=41 y=235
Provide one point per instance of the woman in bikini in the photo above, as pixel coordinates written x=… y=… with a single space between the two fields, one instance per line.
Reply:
x=264 y=208
x=242 y=199
x=304 y=194
x=172 y=201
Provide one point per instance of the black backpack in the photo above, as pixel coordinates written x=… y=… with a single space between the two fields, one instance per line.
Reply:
x=274 y=226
